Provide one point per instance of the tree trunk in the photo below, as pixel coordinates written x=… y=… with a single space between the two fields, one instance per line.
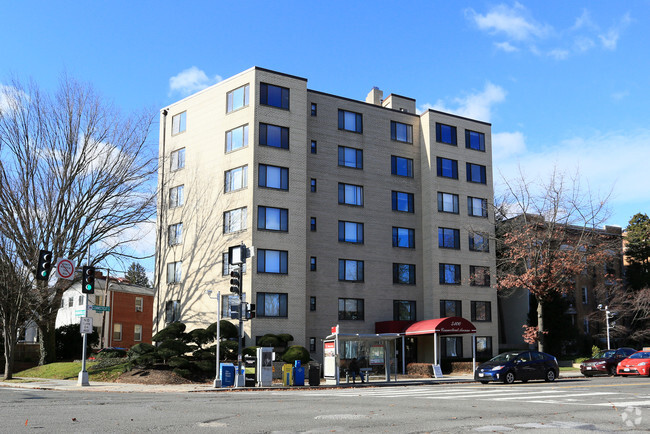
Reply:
x=540 y=326
x=47 y=341
x=10 y=350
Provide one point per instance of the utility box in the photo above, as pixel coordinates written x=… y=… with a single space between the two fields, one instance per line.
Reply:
x=250 y=364
x=287 y=375
x=227 y=374
x=264 y=370
x=298 y=374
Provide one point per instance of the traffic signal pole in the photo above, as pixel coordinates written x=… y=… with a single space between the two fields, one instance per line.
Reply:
x=241 y=330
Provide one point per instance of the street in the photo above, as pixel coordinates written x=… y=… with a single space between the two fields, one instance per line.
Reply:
x=600 y=404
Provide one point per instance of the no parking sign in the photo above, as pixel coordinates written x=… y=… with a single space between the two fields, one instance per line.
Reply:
x=65 y=269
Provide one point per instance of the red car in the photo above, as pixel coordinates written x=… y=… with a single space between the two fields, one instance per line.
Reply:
x=636 y=364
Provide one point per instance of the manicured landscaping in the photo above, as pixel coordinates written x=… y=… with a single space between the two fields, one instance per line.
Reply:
x=97 y=371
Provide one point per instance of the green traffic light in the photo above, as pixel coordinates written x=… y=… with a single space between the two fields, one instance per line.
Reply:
x=89 y=287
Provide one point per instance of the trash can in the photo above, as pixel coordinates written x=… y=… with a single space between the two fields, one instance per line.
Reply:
x=227 y=374
x=314 y=374
x=298 y=374
x=287 y=375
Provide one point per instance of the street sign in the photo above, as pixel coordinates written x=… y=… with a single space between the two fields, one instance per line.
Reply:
x=86 y=325
x=65 y=269
x=102 y=308
x=80 y=312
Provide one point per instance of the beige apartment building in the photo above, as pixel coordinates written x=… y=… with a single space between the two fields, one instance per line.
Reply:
x=358 y=212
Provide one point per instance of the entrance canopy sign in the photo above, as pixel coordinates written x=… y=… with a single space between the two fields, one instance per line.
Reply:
x=453 y=325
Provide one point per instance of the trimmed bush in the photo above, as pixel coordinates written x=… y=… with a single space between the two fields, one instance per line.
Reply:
x=296 y=352
x=179 y=362
x=175 y=330
x=205 y=365
x=110 y=353
x=185 y=373
x=140 y=350
x=227 y=330
x=249 y=351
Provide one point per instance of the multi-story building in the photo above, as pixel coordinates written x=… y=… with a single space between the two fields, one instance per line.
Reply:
x=358 y=211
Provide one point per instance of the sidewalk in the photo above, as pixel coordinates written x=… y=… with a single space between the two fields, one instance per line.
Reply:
x=71 y=385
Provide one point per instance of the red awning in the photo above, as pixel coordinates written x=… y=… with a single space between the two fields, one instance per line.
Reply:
x=392 y=326
x=453 y=325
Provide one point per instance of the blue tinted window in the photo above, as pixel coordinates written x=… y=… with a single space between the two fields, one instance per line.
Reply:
x=449 y=274
x=401 y=166
x=447 y=168
x=350 y=232
x=273 y=135
x=350 y=121
x=474 y=140
x=273 y=219
x=402 y=201
x=401 y=132
x=404 y=274
x=275 y=96
x=404 y=237
x=448 y=238
x=476 y=173
x=274 y=177
x=350 y=194
x=350 y=270
x=350 y=157
x=272 y=261
x=445 y=134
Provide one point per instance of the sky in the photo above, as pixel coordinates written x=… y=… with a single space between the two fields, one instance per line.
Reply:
x=565 y=85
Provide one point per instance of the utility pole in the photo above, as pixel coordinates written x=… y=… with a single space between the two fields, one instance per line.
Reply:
x=237 y=257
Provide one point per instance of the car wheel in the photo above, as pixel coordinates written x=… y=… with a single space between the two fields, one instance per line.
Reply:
x=623 y=375
x=484 y=382
x=524 y=381
x=509 y=378
x=588 y=375
x=550 y=375
x=612 y=371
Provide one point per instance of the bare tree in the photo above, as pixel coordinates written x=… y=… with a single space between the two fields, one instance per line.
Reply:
x=76 y=177
x=546 y=237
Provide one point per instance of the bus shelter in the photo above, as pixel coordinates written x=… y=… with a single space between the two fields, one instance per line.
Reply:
x=374 y=352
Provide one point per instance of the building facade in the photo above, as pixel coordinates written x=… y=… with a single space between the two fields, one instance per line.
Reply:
x=358 y=212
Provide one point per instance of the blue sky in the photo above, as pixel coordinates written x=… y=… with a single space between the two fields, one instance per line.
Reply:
x=564 y=84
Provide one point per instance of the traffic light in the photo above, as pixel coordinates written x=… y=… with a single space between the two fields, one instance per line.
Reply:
x=44 y=268
x=251 y=311
x=235 y=282
x=88 y=280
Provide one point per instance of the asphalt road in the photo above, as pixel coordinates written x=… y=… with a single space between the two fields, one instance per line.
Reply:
x=571 y=405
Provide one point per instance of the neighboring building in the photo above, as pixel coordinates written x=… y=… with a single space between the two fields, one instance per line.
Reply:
x=582 y=302
x=128 y=322
x=359 y=211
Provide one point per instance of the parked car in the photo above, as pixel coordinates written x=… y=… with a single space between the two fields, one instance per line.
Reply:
x=637 y=364
x=518 y=365
x=605 y=362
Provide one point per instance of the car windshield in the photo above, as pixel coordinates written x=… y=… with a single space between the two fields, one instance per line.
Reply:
x=605 y=354
x=505 y=357
x=641 y=355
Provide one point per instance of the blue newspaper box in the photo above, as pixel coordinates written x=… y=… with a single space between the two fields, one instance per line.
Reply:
x=298 y=374
x=227 y=374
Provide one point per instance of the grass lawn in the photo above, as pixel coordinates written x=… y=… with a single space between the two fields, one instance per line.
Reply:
x=70 y=371
x=569 y=369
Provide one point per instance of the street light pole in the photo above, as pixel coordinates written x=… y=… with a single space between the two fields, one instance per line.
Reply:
x=607 y=317
x=217 y=378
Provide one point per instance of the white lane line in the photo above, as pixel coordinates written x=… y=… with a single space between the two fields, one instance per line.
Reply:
x=625 y=404
x=492 y=394
x=566 y=395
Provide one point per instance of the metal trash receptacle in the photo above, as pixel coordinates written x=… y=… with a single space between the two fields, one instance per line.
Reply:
x=314 y=374
x=287 y=375
x=227 y=374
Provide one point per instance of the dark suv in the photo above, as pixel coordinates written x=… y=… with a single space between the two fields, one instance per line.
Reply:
x=518 y=365
x=605 y=362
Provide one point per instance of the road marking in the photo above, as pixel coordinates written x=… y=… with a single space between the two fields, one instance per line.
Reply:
x=625 y=404
x=490 y=394
x=561 y=395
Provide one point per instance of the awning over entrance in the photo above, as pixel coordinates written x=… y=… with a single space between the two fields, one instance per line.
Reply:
x=452 y=325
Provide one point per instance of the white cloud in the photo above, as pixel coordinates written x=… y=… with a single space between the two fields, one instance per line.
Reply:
x=617 y=96
x=477 y=105
x=584 y=21
x=191 y=80
x=10 y=96
x=507 y=145
x=583 y=43
x=506 y=46
x=511 y=21
x=610 y=39
x=558 y=54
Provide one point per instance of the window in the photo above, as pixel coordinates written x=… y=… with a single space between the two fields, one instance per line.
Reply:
x=448 y=202
x=449 y=274
x=350 y=270
x=236 y=179
x=401 y=132
x=585 y=325
x=173 y=311
x=237 y=98
x=314 y=147
x=230 y=303
x=403 y=310
x=448 y=238
x=174 y=272
x=179 y=122
x=98 y=300
x=270 y=304
x=227 y=267
x=272 y=219
x=81 y=300
x=272 y=261
x=351 y=308
x=312 y=345
x=404 y=274
x=70 y=301
x=312 y=185
x=350 y=232
x=585 y=295
x=474 y=140
x=117 y=332
x=479 y=242
x=275 y=136
x=350 y=194
x=237 y=138
x=274 y=177
x=476 y=207
x=484 y=347
x=176 y=196
x=350 y=157
x=139 y=304
x=137 y=333
x=452 y=347
x=175 y=234
x=475 y=173
x=312 y=224
x=177 y=159
x=234 y=220
x=274 y=96
x=312 y=263
x=402 y=201
x=482 y=311
x=350 y=121
x=314 y=109
x=447 y=168
x=312 y=303
x=450 y=308
x=479 y=276
x=404 y=237
x=401 y=166
x=445 y=134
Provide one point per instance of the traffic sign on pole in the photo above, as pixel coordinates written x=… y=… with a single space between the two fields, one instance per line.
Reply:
x=86 y=325
x=65 y=269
